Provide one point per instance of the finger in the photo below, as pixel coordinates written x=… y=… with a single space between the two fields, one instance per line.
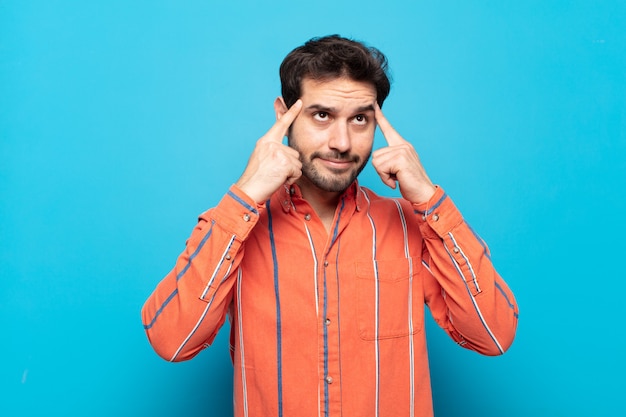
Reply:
x=280 y=128
x=391 y=136
x=383 y=165
x=388 y=179
x=295 y=175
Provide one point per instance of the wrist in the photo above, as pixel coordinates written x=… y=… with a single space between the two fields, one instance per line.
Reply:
x=423 y=194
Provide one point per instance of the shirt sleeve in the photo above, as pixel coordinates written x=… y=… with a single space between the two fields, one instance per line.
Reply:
x=466 y=295
x=188 y=307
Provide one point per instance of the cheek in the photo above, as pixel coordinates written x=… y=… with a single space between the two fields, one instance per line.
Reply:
x=363 y=141
x=308 y=135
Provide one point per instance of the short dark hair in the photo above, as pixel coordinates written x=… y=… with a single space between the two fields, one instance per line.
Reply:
x=329 y=57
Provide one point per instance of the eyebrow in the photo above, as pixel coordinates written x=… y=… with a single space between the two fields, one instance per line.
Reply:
x=319 y=107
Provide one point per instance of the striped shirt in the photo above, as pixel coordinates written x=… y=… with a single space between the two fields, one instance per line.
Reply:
x=330 y=324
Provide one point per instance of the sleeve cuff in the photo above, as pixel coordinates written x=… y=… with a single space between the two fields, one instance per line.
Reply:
x=236 y=212
x=438 y=216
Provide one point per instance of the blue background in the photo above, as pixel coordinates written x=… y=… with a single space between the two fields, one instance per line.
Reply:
x=121 y=121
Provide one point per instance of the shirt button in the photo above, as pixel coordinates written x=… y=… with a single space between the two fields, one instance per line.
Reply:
x=435 y=217
x=246 y=217
x=325 y=263
x=455 y=250
x=329 y=379
x=307 y=217
x=328 y=322
x=228 y=257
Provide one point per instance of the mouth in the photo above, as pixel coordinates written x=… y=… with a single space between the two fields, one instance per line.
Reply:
x=337 y=164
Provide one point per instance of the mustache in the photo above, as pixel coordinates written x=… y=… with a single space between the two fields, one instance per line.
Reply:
x=337 y=156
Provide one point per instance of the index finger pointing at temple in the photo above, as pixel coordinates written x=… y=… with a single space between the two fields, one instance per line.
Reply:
x=280 y=128
x=391 y=136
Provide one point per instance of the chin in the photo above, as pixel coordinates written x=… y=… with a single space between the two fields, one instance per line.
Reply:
x=334 y=186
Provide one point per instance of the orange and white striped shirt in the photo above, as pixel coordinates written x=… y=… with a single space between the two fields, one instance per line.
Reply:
x=330 y=324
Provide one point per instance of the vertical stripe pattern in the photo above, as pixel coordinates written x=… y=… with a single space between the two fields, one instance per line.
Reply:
x=407 y=255
x=279 y=346
x=242 y=354
x=376 y=308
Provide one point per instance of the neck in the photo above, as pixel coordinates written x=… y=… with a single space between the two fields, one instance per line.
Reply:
x=323 y=202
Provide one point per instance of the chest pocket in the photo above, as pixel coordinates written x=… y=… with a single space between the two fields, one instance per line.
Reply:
x=390 y=298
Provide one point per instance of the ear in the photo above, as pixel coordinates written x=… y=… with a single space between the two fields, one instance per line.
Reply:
x=280 y=108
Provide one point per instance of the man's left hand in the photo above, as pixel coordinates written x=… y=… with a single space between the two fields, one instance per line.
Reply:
x=399 y=162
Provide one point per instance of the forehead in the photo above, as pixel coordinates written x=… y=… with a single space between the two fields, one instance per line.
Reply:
x=337 y=91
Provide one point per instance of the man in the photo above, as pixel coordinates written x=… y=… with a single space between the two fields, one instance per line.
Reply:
x=325 y=282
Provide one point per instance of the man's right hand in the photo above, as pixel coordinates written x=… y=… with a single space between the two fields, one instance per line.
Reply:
x=272 y=163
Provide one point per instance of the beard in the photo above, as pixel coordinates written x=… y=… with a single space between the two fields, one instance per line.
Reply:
x=335 y=180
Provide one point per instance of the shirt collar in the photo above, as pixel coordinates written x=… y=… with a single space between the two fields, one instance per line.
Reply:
x=288 y=193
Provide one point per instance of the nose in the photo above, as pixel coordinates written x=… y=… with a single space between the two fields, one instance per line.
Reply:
x=340 y=138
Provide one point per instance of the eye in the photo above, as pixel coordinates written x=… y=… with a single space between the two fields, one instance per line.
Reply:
x=320 y=116
x=360 y=119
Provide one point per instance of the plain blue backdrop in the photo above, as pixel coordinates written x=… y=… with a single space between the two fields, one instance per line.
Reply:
x=121 y=121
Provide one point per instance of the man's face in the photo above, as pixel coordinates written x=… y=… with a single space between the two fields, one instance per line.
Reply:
x=334 y=132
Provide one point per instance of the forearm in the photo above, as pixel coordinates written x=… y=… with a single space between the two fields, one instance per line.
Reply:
x=470 y=300
x=187 y=308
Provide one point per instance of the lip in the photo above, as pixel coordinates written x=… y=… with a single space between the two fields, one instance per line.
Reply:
x=337 y=163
